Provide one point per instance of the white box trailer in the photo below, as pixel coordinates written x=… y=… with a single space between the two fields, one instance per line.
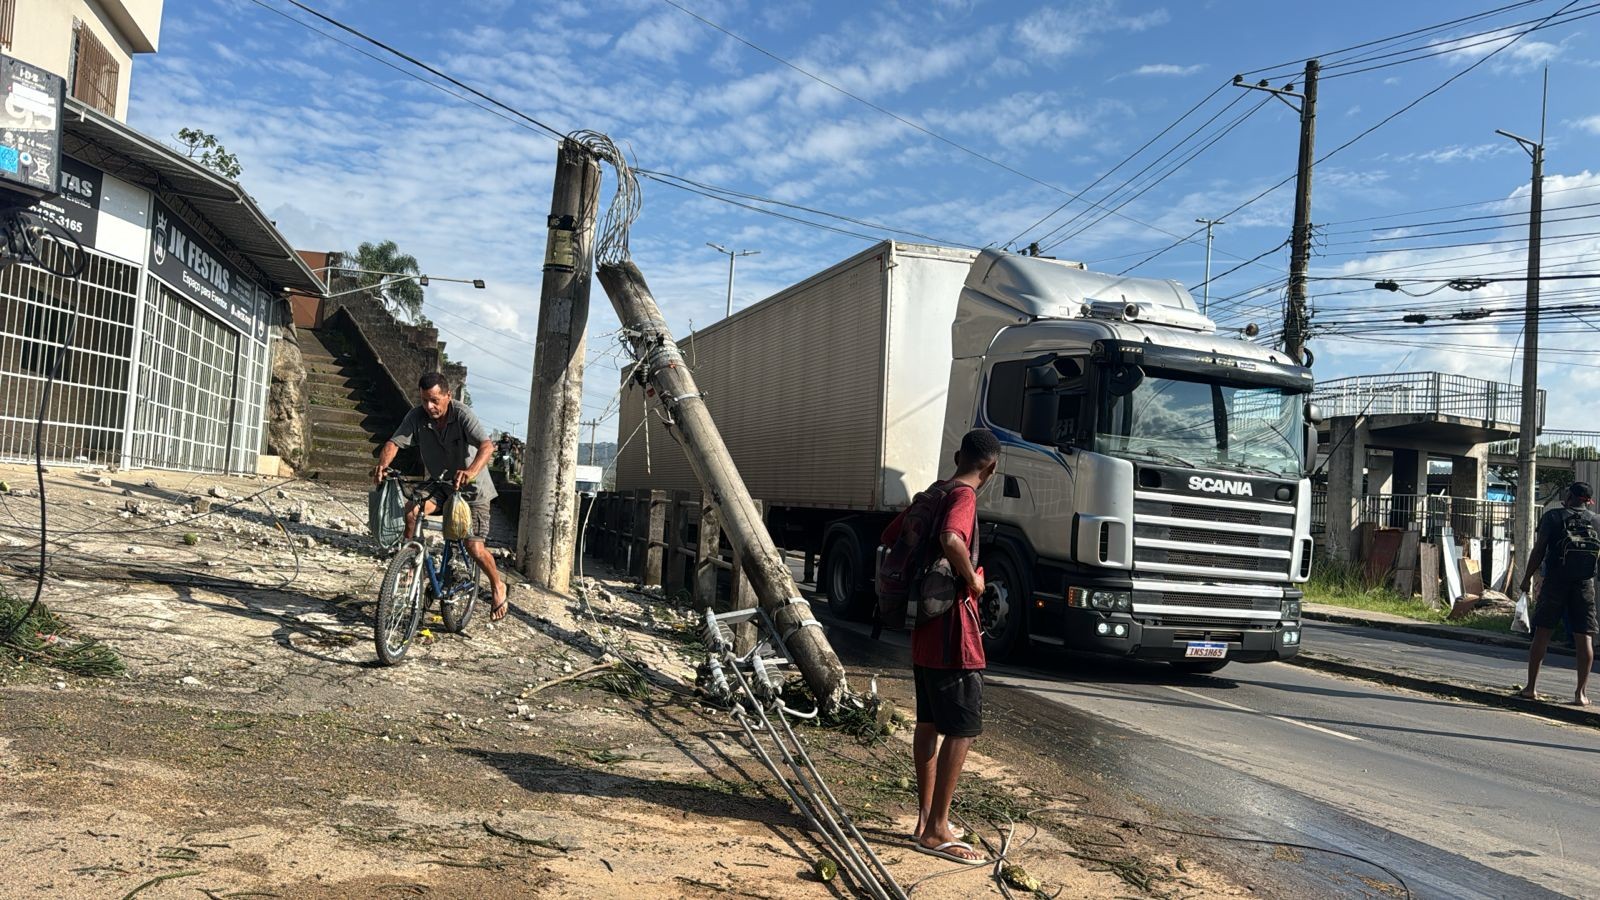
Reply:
x=831 y=393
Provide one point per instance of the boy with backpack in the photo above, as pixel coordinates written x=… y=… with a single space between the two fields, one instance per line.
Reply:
x=932 y=563
x=1568 y=548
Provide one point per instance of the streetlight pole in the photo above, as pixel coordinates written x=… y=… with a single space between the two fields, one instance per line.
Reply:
x=732 y=255
x=1528 y=427
x=1205 y=304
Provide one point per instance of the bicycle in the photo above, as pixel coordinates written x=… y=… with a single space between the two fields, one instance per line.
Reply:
x=419 y=574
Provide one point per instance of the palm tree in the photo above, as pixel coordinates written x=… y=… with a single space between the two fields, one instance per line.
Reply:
x=401 y=296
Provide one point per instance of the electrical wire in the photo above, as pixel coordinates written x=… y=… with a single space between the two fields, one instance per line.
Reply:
x=32 y=233
x=1369 y=130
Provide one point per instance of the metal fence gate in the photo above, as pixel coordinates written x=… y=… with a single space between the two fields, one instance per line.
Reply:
x=86 y=418
x=193 y=372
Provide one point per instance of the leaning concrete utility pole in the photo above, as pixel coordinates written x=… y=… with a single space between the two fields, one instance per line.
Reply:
x=1528 y=428
x=668 y=377
x=547 y=524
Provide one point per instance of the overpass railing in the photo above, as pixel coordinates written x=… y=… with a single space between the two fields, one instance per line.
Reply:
x=1553 y=444
x=1424 y=393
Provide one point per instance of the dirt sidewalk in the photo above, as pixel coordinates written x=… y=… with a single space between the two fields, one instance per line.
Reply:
x=254 y=749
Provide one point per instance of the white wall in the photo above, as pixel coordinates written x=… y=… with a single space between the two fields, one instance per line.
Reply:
x=43 y=35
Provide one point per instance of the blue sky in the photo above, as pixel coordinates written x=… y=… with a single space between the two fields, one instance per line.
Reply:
x=340 y=149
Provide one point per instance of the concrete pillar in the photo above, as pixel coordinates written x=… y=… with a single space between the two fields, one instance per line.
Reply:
x=1380 y=474
x=1469 y=475
x=1347 y=459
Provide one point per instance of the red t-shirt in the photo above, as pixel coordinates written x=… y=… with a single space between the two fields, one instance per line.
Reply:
x=954 y=640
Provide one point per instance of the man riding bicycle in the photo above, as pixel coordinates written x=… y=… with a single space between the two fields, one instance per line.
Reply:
x=454 y=445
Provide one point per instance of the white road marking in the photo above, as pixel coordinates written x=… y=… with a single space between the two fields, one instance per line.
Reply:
x=1337 y=734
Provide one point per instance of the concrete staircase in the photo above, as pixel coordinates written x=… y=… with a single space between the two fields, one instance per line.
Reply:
x=349 y=420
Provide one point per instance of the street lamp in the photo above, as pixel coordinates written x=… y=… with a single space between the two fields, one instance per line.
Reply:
x=396 y=278
x=1205 y=305
x=732 y=255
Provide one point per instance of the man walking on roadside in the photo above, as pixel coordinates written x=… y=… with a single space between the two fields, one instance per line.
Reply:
x=1568 y=549
x=454 y=445
x=947 y=656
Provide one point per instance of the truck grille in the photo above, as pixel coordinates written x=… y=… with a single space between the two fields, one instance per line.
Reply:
x=1213 y=537
x=1173 y=598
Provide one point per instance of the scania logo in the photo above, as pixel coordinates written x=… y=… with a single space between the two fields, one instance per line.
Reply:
x=1220 y=486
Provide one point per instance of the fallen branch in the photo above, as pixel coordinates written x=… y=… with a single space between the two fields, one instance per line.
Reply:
x=546 y=843
x=160 y=878
x=565 y=678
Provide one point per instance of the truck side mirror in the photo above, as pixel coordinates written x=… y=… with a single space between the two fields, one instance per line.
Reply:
x=1311 y=448
x=1039 y=404
x=1123 y=378
x=1313 y=414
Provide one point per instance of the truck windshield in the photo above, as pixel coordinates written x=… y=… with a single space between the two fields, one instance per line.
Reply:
x=1172 y=418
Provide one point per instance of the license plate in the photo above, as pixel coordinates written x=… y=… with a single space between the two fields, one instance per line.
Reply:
x=1206 y=650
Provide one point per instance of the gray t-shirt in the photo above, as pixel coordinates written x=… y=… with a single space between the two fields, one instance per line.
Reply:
x=447 y=446
x=1553 y=524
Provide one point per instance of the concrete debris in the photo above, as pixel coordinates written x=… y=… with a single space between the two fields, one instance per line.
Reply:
x=200 y=506
x=103 y=481
x=220 y=492
x=135 y=551
x=190 y=681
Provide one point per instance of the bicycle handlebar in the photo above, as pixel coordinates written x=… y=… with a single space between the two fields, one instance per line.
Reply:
x=468 y=492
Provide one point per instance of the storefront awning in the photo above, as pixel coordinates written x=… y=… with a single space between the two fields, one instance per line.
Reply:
x=230 y=216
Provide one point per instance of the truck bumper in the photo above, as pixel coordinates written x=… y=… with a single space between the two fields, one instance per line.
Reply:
x=1084 y=632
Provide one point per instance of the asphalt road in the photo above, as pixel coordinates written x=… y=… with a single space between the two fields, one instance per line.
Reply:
x=1462 y=801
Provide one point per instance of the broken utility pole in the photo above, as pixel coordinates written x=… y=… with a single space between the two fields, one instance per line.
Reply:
x=667 y=376
x=547 y=524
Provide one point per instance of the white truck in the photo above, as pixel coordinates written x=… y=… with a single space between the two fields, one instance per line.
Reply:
x=1151 y=499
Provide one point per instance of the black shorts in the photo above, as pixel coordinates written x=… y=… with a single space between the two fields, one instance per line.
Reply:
x=1573 y=600
x=951 y=699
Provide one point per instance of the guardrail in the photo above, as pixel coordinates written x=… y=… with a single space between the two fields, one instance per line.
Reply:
x=1424 y=513
x=1423 y=393
x=1553 y=444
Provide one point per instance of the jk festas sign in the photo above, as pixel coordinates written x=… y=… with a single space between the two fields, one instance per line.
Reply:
x=196 y=270
x=75 y=209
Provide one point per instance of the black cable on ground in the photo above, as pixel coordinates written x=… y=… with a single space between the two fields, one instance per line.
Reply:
x=25 y=230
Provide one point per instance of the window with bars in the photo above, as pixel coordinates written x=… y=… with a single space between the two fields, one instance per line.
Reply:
x=94 y=71
x=8 y=22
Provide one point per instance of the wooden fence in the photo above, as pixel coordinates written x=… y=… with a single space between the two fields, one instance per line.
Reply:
x=672 y=539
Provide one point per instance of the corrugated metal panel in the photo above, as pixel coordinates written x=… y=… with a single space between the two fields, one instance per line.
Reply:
x=795 y=384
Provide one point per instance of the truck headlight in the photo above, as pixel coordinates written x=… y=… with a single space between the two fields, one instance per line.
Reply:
x=1291 y=610
x=1116 y=601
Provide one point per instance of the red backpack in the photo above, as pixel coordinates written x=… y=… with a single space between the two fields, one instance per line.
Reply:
x=903 y=563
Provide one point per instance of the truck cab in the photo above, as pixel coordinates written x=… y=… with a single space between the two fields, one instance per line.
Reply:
x=1151 y=499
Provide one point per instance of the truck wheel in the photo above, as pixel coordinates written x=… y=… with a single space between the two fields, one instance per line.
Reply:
x=1003 y=609
x=1198 y=666
x=843 y=577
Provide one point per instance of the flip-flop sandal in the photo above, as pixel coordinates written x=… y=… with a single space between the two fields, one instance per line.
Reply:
x=498 y=610
x=942 y=851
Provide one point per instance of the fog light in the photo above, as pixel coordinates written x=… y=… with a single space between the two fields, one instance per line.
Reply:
x=1291 y=637
x=1103 y=628
x=1122 y=631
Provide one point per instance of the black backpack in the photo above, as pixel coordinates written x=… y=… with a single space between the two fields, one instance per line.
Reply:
x=1577 y=548
x=902 y=565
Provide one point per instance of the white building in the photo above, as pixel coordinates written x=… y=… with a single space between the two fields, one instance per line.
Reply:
x=185 y=274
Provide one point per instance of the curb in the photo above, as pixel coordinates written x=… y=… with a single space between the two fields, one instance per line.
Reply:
x=1427 y=629
x=1575 y=715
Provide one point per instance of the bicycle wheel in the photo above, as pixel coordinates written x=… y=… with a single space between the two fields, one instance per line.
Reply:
x=400 y=603
x=461 y=598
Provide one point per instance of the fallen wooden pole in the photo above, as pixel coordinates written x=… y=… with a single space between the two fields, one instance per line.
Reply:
x=667 y=374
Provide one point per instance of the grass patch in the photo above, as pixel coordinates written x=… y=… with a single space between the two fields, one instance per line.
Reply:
x=1346 y=586
x=46 y=640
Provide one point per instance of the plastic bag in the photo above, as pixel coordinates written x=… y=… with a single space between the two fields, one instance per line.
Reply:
x=1519 y=620
x=386 y=514
x=457 y=519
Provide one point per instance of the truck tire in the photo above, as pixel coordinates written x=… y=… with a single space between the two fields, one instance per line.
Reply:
x=1198 y=666
x=1007 y=637
x=844 y=578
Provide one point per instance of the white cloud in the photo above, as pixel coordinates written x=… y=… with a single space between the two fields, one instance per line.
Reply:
x=1052 y=32
x=661 y=37
x=1590 y=124
x=1168 y=69
x=1458 y=153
